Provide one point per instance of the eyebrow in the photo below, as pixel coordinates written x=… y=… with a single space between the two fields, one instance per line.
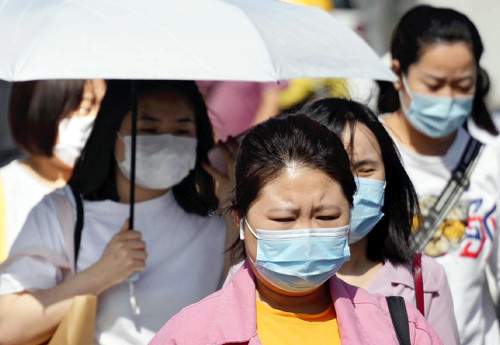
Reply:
x=184 y=119
x=439 y=78
x=296 y=211
x=148 y=118
x=364 y=162
x=292 y=210
x=326 y=207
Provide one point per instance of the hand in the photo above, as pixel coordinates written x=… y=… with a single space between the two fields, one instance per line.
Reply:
x=224 y=181
x=124 y=255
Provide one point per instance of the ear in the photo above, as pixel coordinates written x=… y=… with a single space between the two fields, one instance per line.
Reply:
x=396 y=68
x=237 y=217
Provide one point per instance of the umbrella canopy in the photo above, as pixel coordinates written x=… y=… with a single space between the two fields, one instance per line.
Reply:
x=253 y=40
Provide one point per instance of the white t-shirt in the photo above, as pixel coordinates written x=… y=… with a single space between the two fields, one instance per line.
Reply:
x=22 y=191
x=184 y=264
x=468 y=240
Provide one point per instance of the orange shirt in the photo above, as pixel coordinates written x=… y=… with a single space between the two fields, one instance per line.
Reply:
x=276 y=327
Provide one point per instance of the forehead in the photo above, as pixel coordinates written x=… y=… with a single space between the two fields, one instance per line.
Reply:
x=446 y=58
x=364 y=144
x=299 y=185
x=166 y=104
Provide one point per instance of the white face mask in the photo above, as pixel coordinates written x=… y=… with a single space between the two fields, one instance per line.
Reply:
x=73 y=133
x=162 y=161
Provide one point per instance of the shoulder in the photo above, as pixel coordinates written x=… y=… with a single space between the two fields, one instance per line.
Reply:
x=433 y=274
x=61 y=197
x=209 y=222
x=191 y=324
x=43 y=224
x=366 y=308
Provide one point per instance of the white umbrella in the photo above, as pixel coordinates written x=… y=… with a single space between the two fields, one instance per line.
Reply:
x=253 y=40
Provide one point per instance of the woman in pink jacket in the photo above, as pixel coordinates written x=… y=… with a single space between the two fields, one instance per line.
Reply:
x=382 y=216
x=294 y=189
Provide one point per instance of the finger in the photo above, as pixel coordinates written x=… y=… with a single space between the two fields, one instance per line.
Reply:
x=228 y=155
x=129 y=235
x=136 y=244
x=139 y=255
x=139 y=266
x=214 y=172
x=126 y=225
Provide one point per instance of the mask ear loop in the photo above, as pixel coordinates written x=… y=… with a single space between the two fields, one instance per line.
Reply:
x=242 y=229
x=400 y=94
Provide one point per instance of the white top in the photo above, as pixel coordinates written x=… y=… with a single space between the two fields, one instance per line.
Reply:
x=185 y=261
x=468 y=240
x=22 y=191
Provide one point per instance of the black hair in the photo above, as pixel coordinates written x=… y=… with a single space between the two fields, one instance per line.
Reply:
x=422 y=27
x=270 y=147
x=36 y=108
x=391 y=237
x=94 y=175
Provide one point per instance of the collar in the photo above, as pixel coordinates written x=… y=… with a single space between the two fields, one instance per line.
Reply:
x=401 y=274
x=237 y=308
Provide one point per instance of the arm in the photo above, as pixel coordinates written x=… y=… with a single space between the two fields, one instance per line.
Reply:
x=31 y=318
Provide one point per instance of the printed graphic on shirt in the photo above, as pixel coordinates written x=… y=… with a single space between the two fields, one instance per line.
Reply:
x=467 y=227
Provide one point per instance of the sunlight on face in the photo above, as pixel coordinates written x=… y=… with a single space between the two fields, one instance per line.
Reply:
x=446 y=69
x=296 y=199
x=365 y=154
x=159 y=113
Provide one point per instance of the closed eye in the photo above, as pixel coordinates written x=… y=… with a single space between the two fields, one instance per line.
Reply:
x=283 y=220
x=326 y=218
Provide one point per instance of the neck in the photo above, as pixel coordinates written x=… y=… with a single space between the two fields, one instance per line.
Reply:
x=359 y=270
x=415 y=140
x=141 y=194
x=311 y=303
x=49 y=170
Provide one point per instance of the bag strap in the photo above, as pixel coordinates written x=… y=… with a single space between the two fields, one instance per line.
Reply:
x=419 y=282
x=78 y=224
x=458 y=183
x=3 y=231
x=399 y=316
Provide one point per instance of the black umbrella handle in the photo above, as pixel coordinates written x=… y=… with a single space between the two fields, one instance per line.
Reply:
x=132 y=160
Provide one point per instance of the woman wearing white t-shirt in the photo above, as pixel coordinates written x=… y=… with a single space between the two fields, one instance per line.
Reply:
x=178 y=249
x=50 y=120
x=436 y=55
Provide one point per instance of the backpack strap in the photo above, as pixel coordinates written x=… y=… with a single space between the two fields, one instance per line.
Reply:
x=399 y=316
x=419 y=282
x=78 y=224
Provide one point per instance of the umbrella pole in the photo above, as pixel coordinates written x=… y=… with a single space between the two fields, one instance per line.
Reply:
x=132 y=163
x=135 y=276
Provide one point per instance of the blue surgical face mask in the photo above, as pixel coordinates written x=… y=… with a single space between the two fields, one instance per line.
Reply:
x=436 y=116
x=299 y=260
x=367 y=207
